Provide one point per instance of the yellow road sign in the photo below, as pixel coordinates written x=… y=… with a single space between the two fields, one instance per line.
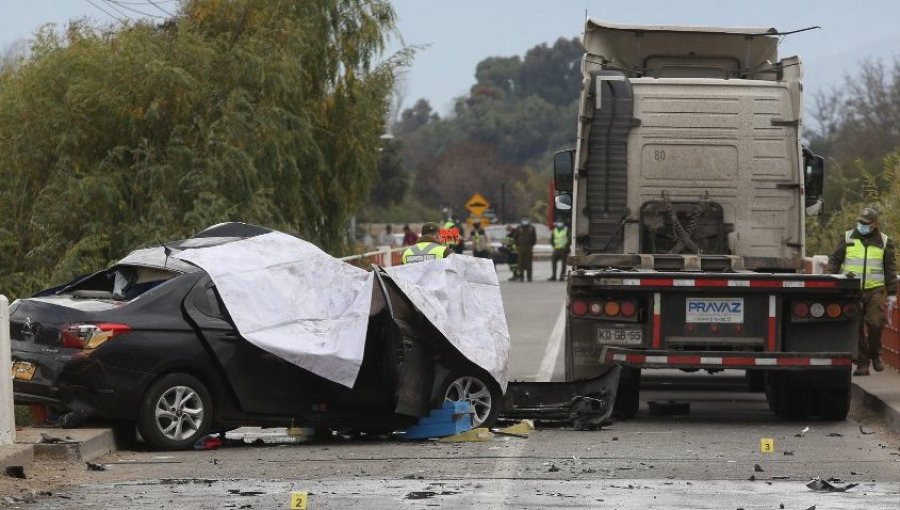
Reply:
x=477 y=204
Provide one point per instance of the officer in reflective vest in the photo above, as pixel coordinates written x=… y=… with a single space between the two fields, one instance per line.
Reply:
x=428 y=247
x=868 y=254
x=560 y=250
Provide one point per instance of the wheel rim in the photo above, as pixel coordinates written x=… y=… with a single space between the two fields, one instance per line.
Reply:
x=474 y=390
x=179 y=413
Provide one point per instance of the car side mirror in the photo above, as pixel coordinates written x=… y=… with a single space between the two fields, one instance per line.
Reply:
x=814 y=177
x=564 y=170
x=563 y=202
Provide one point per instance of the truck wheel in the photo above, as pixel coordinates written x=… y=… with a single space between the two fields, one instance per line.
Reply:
x=628 y=395
x=834 y=402
x=772 y=393
x=756 y=380
x=795 y=402
x=176 y=411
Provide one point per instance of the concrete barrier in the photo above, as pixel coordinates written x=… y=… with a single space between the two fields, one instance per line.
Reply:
x=7 y=411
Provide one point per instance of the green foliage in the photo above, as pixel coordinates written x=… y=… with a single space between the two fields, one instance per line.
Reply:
x=233 y=110
x=857 y=132
x=499 y=139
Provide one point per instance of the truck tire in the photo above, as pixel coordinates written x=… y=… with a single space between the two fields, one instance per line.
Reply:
x=628 y=395
x=756 y=380
x=834 y=400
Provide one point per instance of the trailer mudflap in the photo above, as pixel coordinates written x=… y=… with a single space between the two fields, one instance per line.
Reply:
x=588 y=403
x=726 y=359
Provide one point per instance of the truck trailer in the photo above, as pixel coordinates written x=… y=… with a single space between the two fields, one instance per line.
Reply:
x=688 y=190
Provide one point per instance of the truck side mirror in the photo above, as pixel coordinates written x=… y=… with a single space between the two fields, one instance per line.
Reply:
x=814 y=177
x=564 y=170
x=563 y=202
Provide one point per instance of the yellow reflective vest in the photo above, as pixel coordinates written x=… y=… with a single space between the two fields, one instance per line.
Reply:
x=867 y=262
x=426 y=250
x=560 y=238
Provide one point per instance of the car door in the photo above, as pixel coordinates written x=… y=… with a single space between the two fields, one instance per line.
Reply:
x=262 y=382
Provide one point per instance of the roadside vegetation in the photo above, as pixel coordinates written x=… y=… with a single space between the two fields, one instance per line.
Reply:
x=856 y=126
x=113 y=138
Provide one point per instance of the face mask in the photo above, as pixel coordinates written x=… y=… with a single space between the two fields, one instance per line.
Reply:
x=526 y=222
x=864 y=229
x=559 y=225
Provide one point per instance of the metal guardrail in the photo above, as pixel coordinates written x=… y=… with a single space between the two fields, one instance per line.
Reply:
x=7 y=411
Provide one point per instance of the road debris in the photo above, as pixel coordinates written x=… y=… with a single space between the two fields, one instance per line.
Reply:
x=802 y=432
x=15 y=471
x=827 y=485
x=757 y=468
x=670 y=408
x=95 y=466
x=478 y=435
x=865 y=431
x=208 y=442
x=50 y=439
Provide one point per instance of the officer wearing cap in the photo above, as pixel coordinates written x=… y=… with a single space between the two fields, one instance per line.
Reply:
x=869 y=254
x=428 y=247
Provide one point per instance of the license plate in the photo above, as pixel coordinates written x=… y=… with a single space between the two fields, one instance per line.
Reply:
x=23 y=370
x=618 y=336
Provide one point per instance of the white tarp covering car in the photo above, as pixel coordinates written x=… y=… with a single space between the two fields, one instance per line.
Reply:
x=290 y=298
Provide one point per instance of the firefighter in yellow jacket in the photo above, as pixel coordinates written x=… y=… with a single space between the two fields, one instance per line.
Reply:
x=869 y=254
x=428 y=247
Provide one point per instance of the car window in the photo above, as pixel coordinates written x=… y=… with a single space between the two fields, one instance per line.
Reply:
x=207 y=301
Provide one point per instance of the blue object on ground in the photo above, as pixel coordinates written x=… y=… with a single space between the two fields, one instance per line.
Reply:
x=453 y=418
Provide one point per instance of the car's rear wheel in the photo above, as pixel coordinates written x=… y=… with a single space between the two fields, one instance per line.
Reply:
x=482 y=391
x=176 y=411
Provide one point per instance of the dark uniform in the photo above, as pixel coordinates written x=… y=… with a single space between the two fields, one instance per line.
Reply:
x=526 y=237
x=869 y=254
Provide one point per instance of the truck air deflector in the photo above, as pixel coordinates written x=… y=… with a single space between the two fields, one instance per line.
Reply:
x=606 y=164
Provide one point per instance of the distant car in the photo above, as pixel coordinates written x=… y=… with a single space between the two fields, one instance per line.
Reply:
x=149 y=341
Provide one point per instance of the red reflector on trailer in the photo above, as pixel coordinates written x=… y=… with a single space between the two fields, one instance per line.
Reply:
x=579 y=307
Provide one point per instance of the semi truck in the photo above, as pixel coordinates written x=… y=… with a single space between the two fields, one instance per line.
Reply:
x=688 y=190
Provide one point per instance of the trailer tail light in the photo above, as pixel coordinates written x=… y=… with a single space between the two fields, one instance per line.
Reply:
x=596 y=308
x=801 y=310
x=850 y=310
x=90 y=336
x=612 y=308
x=713 y=328
x=578 y=308
x=627 y=308
x=833 y=310
x=817 y=310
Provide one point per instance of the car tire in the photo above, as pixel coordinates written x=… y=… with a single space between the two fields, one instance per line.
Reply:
x=176 y=411
x=482 y=390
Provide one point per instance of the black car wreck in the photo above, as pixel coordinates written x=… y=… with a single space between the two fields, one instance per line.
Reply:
x=154 y=341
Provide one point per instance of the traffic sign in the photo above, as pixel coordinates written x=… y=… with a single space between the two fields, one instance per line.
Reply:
x=477 y=204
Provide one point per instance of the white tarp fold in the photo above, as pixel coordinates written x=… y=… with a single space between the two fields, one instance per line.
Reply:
x=460 y=296
x=290 y=298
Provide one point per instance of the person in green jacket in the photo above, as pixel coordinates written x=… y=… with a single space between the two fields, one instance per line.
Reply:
x=868 y=254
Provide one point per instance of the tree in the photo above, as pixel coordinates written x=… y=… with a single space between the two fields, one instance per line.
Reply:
x=266 y=112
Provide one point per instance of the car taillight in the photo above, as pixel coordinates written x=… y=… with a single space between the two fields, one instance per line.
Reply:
x=801 y=310
x=578 y=307
x=627 y=308
x=596 y=308
x=90 y=336
x=833 y=310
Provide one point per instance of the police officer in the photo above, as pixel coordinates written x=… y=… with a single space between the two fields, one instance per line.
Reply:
x=868 y=254
x=561 y=242
x=512 y=253
x=526 y=237
x=428 y=247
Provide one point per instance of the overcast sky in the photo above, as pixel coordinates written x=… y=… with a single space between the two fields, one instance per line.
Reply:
x=460 y=33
